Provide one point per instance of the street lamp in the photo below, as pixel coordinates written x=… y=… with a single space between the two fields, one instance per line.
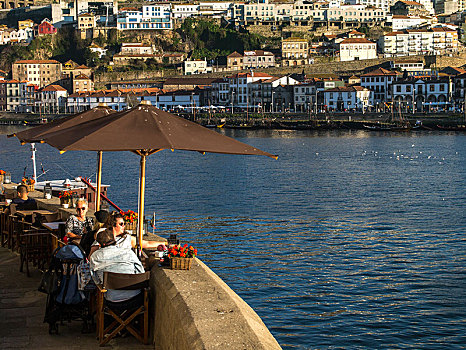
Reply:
x=271 y=107
x=232 y=101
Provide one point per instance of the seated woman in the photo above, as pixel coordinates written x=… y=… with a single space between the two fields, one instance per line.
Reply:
x=79 y=224
x=88 y=238
x=116 y=224
x=111 y=258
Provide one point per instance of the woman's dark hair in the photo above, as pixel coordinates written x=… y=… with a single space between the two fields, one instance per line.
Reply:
x=112 y=220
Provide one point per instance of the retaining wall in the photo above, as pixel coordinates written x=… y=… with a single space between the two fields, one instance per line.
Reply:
x=196 y=310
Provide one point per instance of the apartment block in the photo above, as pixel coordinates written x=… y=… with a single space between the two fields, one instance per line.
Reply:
x=38 y=72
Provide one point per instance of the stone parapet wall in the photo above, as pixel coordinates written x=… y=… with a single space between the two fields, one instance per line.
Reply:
x=195 y=310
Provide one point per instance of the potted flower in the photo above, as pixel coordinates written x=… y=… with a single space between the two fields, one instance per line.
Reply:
x=131 y=219
x=29 y=183
x=181 y=257
x=2 y=172
x=65 y=198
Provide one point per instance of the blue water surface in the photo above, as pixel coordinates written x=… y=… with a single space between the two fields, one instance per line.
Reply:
x=348 y=240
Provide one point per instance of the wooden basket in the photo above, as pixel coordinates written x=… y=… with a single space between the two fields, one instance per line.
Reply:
x=180 y=263
x=30 y=187
x=131 y=225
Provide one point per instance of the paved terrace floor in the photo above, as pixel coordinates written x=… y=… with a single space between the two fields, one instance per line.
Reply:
x=22 y=310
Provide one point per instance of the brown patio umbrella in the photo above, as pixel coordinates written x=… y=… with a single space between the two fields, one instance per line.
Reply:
x=145 y=130
x=38 y=133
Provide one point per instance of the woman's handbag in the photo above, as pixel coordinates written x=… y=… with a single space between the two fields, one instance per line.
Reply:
x=49 y=282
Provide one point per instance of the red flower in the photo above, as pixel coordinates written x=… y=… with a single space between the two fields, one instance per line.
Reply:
x=182 y=251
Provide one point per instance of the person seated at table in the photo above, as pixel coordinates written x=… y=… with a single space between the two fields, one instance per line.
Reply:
x=22 y=201
x=79 y=224
x=111 y=258
x=101 y=216
x=116 y=224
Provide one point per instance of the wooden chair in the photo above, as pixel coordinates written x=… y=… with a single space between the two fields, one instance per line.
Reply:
x=8 y=226
x=123 y=314
x=35 y=247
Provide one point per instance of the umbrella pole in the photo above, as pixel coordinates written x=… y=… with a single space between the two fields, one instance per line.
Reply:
x=99 y=180
x=142 y=185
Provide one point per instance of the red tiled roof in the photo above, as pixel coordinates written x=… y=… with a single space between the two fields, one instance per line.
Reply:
x=356 y=41
x=37 y=62
x=53 y=88
x=249 y=75
x=81 y=77
x=411 y=3
x=346 y=89
x=379 y=72
x=443 y=29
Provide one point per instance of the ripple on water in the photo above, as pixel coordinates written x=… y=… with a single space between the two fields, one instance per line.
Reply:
x=349 y=240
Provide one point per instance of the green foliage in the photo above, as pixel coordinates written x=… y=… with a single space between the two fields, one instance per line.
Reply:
x=210 y=40
x=68 y=45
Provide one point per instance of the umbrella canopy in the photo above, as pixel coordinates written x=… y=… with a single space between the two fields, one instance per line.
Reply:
x=145 y=127
x=145 y=130
x=37 y=133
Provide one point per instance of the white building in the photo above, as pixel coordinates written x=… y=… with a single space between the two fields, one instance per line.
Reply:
x=67 y=11
x=435 y=41
x=305 y=97
x=10 y=35
x=97 y=49
x=185 y=10
x=379 y=82
x=408 y=65
x=347 y=98
x=400 y=22
x=239 y=87
x=175 y=100
x=300 y=12
x=258 y=59
x=151 y=17
x=381 y=4
x=214 y=9
x=196 y=67
x=427 y=94
x=136 y=49
x=24 y=35
x=82 y=101
x=354 y=49
x=52 y=99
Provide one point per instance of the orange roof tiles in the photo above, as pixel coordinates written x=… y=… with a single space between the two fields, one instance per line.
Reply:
x=53 y=88
x=37 y=62
x=378 y=72
x=356 y=41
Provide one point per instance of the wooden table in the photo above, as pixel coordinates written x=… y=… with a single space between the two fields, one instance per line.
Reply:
x=24 y=213
x=53 y=226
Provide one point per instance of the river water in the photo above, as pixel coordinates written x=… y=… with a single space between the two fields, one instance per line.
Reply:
x=348 y=240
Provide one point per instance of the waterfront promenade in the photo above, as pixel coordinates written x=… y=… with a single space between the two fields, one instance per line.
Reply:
x=22 y=310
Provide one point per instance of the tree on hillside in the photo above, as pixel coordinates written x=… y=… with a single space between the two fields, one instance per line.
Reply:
x=211 y=40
